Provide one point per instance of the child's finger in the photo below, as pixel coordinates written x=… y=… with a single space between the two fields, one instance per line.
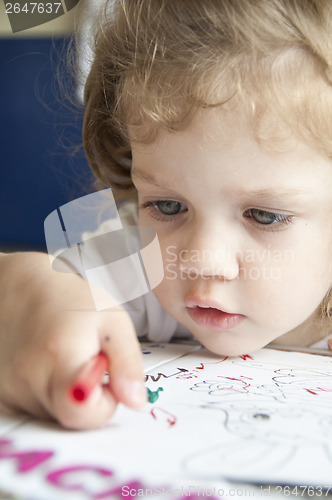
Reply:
x=91 y=413
x=79 y=399
x=126 y=377
x=91 y=410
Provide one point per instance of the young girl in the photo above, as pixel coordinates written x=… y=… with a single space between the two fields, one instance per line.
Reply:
x=212 y=118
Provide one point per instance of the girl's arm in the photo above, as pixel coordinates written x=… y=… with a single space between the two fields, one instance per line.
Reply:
x=49 y=331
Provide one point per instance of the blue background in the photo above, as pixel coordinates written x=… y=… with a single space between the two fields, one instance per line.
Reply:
x=42 y=163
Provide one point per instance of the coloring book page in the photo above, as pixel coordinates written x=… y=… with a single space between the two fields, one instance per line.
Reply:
x=214 y=424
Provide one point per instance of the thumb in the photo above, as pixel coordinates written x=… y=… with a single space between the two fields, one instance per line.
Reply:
x=126 y=375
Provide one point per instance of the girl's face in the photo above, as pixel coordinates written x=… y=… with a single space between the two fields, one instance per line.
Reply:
x=245 y=234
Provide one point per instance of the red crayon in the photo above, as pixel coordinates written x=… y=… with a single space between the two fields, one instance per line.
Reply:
x=88 y=378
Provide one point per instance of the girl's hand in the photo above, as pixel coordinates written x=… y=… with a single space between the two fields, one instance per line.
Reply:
x=49 y=332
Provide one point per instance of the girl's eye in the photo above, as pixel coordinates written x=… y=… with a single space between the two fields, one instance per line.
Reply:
x=166 y=207
x=267 y=218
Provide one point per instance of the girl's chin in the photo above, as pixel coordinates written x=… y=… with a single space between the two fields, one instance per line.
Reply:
x=229 y=343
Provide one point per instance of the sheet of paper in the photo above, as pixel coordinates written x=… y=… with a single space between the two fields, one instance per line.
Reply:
x=217 y=422
x=10 y=422
x=156 y=354
x=260 y=418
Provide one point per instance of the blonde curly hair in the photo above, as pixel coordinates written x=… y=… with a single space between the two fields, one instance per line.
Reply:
x=158 y=62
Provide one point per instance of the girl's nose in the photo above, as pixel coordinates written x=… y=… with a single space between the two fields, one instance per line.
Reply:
x=211 y=253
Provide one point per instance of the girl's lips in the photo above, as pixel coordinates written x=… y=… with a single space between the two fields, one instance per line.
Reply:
x=213 y=318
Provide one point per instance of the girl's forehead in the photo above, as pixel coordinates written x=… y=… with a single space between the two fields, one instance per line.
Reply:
x=223 y=144
x=222 y=130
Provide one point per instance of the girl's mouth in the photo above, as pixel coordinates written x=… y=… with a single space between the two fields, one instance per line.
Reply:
x=213 y=318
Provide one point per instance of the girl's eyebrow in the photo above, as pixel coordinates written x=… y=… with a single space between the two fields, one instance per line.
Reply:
x=275 y=192
x=257 y=194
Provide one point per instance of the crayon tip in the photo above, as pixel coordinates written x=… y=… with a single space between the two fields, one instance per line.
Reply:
x=78 y=394
x=90 y=376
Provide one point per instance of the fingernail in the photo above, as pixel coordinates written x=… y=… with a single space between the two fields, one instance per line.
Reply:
x=136 y=393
